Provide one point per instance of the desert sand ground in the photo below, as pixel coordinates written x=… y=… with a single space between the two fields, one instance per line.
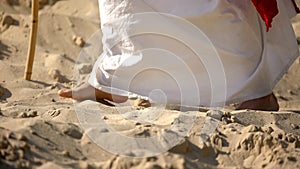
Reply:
x=40 y=130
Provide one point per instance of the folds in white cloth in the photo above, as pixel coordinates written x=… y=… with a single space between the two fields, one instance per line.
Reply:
x=214 y=52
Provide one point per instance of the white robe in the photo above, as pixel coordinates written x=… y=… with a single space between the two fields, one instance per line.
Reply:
x=214 y=52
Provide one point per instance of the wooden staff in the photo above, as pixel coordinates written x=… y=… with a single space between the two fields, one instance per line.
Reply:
x=32 y=42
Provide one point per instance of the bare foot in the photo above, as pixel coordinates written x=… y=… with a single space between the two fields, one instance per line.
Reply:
x=266 y=103
x=88 y=92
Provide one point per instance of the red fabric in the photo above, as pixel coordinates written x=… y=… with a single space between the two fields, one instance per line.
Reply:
x=268 y=9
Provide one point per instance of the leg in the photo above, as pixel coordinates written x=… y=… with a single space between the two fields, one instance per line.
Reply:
x=88 y=92
x=266 y=103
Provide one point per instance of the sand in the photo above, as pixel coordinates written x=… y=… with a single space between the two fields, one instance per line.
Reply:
x=40 y=130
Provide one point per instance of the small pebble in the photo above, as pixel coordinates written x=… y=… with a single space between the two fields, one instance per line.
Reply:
x=58 y=28
x=72 y=25
x=232 y=129
x=280 y=135
x=78 y=41
x=21 y=137
x=269 y=130
x=290 y=138
x=32 y=114
x=53 y=86
x=24 y=146
x=294 y=126
x=291 y=92
x=23 y=164
x=226 y=120
x=227 y=114
x=280 y=161
x=151 y=158
x=293 y=159
x=234 y=119
x=10 y=134
x=65 y=153
x=22 y=115
x=33 y=132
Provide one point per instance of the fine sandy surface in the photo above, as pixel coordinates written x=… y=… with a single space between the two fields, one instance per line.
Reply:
x=40 y=130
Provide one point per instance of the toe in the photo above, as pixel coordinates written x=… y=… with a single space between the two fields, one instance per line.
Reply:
x=67 y=93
